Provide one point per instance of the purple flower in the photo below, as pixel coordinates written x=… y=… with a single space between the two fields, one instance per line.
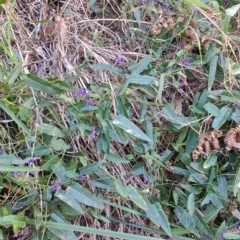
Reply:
x=226 y=1
x=222 y=238
x=209 y=121
x=194 y=159
x=180 y=90
x=30 y=161
x=236 y=225
x=14 y=174
x=150 y=193
x=39 y=69
x=186 y=62
x=57 y=185
x=23 y=233
x=225 y=229
x=118 y=59
x=82 y=177
x=80 y=92
x=93 y=136
x=89 y=101
x=173 y=95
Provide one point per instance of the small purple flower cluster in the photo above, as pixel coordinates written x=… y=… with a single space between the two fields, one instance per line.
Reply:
x=186 y=62
x=57 y=185
x=82 y=92
x=180 y=89
x=118 y=59
x=23 y=233
x=30 y=161
x=94 y=134
x=209 y=121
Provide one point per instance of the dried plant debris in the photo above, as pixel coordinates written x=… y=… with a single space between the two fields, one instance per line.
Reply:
x=210 y=142
x=164 y=20
x=207 y=143
x=232 y=138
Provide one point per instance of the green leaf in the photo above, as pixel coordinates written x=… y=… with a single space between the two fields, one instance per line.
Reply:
x=58 y=144
x=222 y=188
x=236 y=185
x=231 y=236
x=116 y=159
x=15 y=118
x=19 y=169
x=236 y=116
x=90 y=168
x=178 y=122
x=186 y=220
x=97 y=231
x=141 y=79
x=119 y=187
x=42 y=85
x=192 y=140
x=157 y=216
x=160 y=88
x=61 y=233
x=88 y=108
x=212 y=109
x=117 y=134
x=198 y=3
x=84 y=196
x=230 y=12
x=69 y=200
x=202 y=225
x=50 y=130
x=17 y=221
x=137 y=15
x=164 y=223
x=136 y=197
x=191 y=204
x=6 y=159
x=225 y=112
x=14 y=73
x=38 y=217
x=126 y=125
x=141 y=66
x=107 y=67
x=149 y=130
x=91 y=3
x=212 y=71
x=59 y=171
x=211 y=161
x=200 y=177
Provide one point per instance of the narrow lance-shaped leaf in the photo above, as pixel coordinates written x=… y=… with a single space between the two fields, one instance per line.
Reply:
x=191 y=204
x=42 y=85
x=136 y=197
x=225 y=112
x=14 y=73
x=96 y=231
x=125 y=124
x=67 y=198
x=212 y=71
x=141 y=66
x=15 y=118
x=84 y=196
x=107 y=67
